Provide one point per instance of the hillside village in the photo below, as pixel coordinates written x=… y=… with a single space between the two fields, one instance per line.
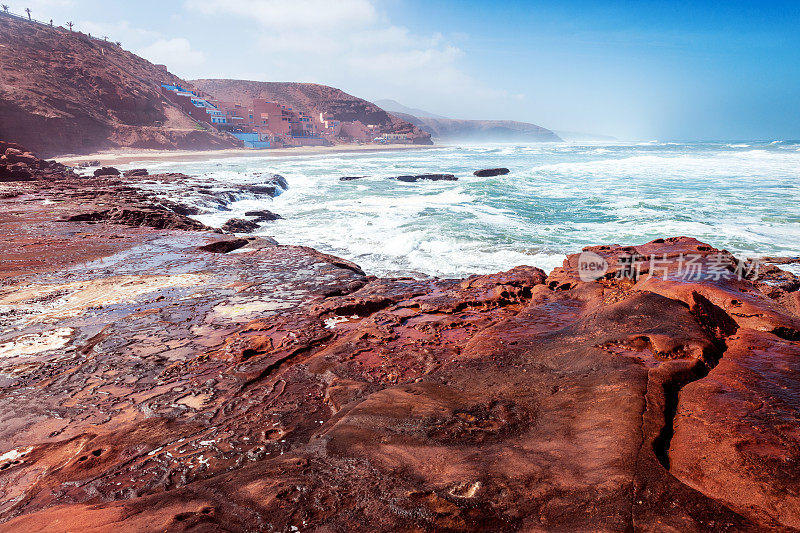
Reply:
x=261 y=123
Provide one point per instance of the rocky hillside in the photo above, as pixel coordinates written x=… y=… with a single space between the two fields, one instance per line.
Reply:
x=63 y=92
x=315 y=98
x=481 y=130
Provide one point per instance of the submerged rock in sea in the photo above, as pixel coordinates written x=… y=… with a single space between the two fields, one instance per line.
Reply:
x=150 y=385
x=490 y=172
x=351 y=178
x=263 y=215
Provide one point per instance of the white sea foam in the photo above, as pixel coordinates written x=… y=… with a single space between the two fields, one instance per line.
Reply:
x=558 y=198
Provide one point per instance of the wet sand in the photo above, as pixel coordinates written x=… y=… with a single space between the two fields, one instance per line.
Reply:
x=128 y=156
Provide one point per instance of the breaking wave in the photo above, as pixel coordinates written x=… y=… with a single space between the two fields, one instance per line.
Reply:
x=744 y=197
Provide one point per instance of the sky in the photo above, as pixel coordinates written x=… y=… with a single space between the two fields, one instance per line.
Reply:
x=639 y=70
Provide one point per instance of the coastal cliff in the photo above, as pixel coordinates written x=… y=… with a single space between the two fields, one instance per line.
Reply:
x=151 y=383
x=448 y=129
x=64 y=92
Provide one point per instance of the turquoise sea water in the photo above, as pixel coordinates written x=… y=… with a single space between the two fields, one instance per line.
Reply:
x=744 y=197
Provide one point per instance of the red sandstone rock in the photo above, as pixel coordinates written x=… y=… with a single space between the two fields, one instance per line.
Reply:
x=239 y=225
x=224 y=247
x=136 y=172
x=17 y=164
x=148 y=216
x=106 y=171
x=281 y=388
x=15 y=172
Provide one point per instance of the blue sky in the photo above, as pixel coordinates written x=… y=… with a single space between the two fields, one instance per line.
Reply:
x=635 y=70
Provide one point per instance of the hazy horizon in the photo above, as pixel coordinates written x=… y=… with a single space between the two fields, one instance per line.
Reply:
x=685 y=71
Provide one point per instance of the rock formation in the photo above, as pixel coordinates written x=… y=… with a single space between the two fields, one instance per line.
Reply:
x=107 y=171
x=239 y=225
x=490 y=172
x=263 y=215
x=18 y=164
x=151 y=382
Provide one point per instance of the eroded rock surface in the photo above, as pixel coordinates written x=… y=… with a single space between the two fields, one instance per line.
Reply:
x=151 y=385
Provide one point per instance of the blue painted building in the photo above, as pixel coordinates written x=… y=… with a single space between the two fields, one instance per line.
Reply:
x=215 y=116
x=251 y=140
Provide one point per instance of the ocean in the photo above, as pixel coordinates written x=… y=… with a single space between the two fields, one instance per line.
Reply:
x=558 y=198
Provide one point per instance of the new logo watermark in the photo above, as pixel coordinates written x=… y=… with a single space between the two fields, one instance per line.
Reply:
x=691 y=267
x=591 y=266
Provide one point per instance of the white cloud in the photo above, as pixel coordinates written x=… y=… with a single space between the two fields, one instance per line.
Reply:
x=47 y=4
x=346 y=43
x=41 y=10
x=176 y=53
x=300 y=14
x=129 y=36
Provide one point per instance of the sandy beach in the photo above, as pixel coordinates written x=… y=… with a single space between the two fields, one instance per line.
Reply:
x=127 y=156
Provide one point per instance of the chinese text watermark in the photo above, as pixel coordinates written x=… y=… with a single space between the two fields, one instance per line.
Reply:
x=687 y=267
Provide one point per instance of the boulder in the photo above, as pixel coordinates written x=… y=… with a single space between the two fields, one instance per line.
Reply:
x=136 y=172
x=14 y=155
x=269 y=190
x=15 y=172
x=5 y=145
x=106 y=171
x=19 y=164
x=144 y=216
x=239 y=225
x=489 y=172
x=223 y=247
x=175 y=207
x=280 y=181
x=263 y=215
x=272 y=179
